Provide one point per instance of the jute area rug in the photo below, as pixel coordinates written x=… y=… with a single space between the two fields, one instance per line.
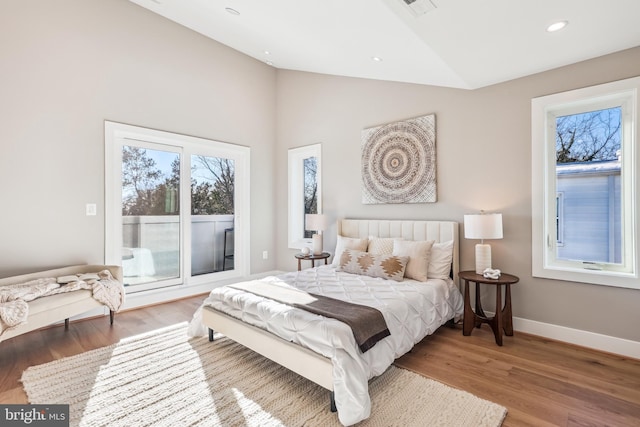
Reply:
x=165 y=378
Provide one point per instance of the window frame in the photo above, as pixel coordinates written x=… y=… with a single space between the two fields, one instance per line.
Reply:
x=544 y=111
x=296 y=158
x=117 y=135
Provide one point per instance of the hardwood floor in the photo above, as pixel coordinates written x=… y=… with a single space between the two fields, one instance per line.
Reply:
x=539 y=381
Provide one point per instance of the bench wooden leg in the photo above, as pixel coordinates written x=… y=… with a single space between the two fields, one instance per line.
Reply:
x=111 y=316
x=66 y=324
x=333 y=403
x=210 y=334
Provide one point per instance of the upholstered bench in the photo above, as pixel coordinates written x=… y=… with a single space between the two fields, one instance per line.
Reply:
x=49 y=309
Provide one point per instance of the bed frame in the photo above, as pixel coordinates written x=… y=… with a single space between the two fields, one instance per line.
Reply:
x=303 y=361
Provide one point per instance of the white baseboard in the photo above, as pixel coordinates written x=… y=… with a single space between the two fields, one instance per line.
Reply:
x=593 y=340
x=158 y=296
x=579 y=337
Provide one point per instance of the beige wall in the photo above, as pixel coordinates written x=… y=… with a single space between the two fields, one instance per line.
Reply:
x=66 y=66
x=483 y=162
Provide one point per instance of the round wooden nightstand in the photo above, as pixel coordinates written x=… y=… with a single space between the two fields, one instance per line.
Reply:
x=313 y=258
x=502 y=320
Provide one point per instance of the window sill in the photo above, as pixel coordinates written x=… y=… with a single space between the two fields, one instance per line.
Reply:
x=592 y=277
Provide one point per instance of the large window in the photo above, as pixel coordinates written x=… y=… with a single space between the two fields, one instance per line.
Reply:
x=176 y=207
x=305 y=192
x=584 y=161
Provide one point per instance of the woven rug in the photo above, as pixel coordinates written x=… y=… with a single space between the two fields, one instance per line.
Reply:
x=164 y=378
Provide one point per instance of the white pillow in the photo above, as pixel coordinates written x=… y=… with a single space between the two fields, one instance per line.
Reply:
x=419 y=253
x=348 y=243
x=440 y=260
x=380 y=245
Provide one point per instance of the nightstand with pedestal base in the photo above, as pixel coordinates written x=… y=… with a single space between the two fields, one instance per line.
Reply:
x=502 y=321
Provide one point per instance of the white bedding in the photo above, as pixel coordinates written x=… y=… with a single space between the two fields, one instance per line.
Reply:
x=411 y=309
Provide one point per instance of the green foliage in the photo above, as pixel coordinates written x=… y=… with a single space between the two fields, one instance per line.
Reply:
x=140 y=183
x=213 y=186
x=147 y=191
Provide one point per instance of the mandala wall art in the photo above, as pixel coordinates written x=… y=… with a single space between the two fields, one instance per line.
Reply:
x=399 y=162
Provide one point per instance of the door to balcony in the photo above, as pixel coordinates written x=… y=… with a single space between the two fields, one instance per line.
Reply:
x=177 y=219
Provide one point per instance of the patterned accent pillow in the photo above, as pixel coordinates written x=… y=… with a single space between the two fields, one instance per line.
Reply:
x=385 y=266
x=348 y=243
x=419 y=253
x=381 y=245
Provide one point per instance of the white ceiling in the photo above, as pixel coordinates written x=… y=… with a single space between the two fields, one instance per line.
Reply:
x=460 y=43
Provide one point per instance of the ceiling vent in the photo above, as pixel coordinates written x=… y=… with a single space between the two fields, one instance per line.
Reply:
x=419 y=7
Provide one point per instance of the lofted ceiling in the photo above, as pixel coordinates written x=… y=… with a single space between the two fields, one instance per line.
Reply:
x=455 y=43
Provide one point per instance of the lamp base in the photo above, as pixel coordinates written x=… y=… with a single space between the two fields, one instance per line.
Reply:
x=317 y=244
x=483 y=257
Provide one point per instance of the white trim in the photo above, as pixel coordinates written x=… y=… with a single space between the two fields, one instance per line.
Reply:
x=578 y=337
x=543 y=191
x=116 y=135
x=162 y=295
x=172 y=293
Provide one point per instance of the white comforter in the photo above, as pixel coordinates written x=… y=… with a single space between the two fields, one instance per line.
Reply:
x=411 y=309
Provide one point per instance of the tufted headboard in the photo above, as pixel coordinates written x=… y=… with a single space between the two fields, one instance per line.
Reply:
x=439 y=231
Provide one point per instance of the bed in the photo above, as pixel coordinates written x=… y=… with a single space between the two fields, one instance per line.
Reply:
x=324 y=350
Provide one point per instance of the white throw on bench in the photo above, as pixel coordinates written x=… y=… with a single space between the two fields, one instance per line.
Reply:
x=49 y=309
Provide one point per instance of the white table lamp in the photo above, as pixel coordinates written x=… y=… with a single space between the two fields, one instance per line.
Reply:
x=483 y=226
x=317 y=223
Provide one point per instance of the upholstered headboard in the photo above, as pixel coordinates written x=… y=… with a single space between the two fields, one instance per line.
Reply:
x=439 y=231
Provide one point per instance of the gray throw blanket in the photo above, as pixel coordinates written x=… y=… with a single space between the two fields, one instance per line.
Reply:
x=367 y=323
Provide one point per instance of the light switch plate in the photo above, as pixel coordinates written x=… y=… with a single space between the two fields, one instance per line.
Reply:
x=91 y=209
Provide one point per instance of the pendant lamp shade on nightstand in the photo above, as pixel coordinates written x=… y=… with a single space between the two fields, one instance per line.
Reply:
x=483 y=226
x=318 y=223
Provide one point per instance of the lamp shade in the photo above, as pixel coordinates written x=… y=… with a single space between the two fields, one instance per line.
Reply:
x=315 y=222
x=483 y=226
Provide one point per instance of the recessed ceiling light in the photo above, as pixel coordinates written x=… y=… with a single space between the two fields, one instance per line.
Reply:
x=266 y=52
x=557 y=26
x=269 y=62
x=232 y=11
x=376 y=59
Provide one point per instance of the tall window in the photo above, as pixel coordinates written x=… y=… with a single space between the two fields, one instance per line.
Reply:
x=589 y=219
x=305 y=192
x=583 y=185
x=310 y=176
x=176 y=207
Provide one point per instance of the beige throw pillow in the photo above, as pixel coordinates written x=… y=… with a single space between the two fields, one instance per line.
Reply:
x=440 y=260
x=380 y=245
x=390 y=267
x=418 y=253
x=348 y=243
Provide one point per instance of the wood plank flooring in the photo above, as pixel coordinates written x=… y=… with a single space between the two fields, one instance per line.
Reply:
x=541 y=382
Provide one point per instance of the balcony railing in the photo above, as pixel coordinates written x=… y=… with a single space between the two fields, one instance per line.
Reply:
x=151 y=246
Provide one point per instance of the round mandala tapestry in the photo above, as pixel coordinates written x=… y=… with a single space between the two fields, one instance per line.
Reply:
x=399 y=162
